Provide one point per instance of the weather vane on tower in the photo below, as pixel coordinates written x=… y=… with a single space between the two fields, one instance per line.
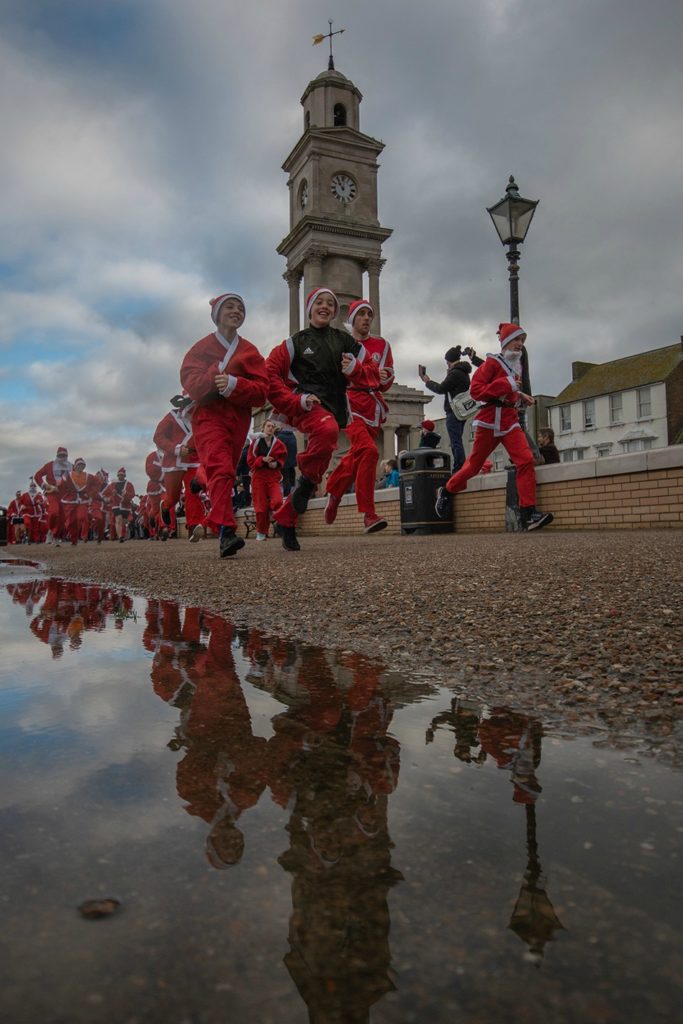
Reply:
x=328 y=35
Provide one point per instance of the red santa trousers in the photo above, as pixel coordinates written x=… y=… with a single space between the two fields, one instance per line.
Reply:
x=174 y=482
x=517 y=447
x=33 y=528
x=323 y=433
x=76 y=522
x=55 y=517
x=266 y=493
x=359 y=463
x=97 y=521
x=219 y=437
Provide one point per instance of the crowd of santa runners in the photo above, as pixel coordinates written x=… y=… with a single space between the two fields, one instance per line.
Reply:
x=321 y=381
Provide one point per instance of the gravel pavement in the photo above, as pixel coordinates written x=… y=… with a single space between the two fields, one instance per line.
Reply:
x=584 y=629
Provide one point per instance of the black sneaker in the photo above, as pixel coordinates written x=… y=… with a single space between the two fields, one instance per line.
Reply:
x=537 y=520
x=289 y=541
x=442 y=506
x=230 y=543
x=301 y=494
x=166 y=516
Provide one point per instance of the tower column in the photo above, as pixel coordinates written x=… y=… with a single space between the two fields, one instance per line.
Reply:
x=374 y=268
x=313 y=268
x=293 y=279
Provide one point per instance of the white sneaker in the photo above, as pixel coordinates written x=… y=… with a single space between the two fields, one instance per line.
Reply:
x=197 y=535
x=261 y=536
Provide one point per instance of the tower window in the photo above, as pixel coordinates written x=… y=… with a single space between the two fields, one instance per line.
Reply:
x=307 y=120
x=339 y=115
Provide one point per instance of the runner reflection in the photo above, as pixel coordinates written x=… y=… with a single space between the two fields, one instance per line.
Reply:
x=332 y=761
x=223 y=772
x=65 y=610
x=513 y=741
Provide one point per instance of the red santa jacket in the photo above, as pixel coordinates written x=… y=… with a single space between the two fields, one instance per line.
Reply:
x=14 y=508
x=239 y=359
x=174 y=432
x=52 y=472
x=75 y=490
x=367 y=397
x=120 y=498
x=153 y=467
x=262 y=446
x=496 y=385
x=32 y=505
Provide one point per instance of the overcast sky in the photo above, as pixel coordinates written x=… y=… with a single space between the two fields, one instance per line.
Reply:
x=140 y=174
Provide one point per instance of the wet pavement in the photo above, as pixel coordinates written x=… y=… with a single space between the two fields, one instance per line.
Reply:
x=283 y=833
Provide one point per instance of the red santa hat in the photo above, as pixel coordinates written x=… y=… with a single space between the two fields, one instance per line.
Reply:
x=62 y=452
x=218 y=302
x=356 y=307
x=427 y=424
x=312 y=296
x=79 y=462
x=121 y=472
x=508 y=333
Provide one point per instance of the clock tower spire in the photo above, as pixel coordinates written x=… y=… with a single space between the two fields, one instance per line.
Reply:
x=335 y=236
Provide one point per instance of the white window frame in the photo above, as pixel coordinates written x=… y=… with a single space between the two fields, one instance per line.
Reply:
x=565 y=409
x=616 y=415
x=644 y=400
x=589 y=414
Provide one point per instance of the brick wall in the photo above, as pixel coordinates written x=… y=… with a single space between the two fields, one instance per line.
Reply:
x=641 y=490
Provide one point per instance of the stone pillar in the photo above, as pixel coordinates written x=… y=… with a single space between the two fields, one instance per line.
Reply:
x=313 y=268
x=293 y=279
x=374 y=267
x=386 y=439
x=403 y=434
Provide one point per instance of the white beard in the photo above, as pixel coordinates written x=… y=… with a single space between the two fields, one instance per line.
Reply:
x=514 y=361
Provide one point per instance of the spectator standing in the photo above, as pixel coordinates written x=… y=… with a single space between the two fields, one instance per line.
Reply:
x=456 y=381
x=546 y=446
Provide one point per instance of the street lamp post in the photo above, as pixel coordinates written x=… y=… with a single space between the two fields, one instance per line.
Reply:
x=511 y=218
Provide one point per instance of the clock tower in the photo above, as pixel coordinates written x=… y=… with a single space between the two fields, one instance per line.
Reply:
x=335 y=236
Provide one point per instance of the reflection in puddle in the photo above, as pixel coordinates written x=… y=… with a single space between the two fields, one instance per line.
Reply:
x=299 y=835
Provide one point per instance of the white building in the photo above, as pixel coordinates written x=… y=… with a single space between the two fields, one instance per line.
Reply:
x=627 y=405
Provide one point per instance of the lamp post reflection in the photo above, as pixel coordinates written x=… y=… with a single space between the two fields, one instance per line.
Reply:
x=513 y=741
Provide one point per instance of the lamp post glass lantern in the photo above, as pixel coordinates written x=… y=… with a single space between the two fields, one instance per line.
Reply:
x=511 y=218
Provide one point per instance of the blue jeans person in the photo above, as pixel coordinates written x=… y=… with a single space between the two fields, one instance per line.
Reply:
x=455 y=428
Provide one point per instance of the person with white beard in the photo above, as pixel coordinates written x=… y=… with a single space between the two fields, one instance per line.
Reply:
x=498 y=385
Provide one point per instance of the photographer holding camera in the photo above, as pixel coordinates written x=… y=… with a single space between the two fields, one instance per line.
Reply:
x=455 y=382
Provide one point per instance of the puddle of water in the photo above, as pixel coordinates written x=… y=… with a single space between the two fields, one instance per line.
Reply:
x=299 y=835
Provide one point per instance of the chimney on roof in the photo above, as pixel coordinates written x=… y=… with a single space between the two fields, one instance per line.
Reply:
x=580 y=370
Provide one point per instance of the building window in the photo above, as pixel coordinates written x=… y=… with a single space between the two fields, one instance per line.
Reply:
x=638 y=444
x=644 y=403
x=603 y=449
x=307 y=120
x=572 y=455
x=339 y=115
x=616 y=412
x=589 y=414
x=565 y=418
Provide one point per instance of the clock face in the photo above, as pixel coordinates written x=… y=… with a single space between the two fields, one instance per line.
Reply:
x=303 y=195
x=343 y=188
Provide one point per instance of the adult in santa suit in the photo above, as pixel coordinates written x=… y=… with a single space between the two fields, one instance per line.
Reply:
x=97 y=488
x=121 y=493
x=368 y=413
x=32 y=508
x=266 y=457
x=48 y=477
x=15 y=519
x=179 y=461
x=225 y=375
x=497 y=383
x=74 y=491
x=309 y=374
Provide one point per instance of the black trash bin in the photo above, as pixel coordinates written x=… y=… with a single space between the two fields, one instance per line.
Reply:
x=3 y=526
x=421 y=473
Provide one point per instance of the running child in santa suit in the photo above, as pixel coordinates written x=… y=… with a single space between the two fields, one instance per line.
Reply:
x=173 y=438
x=498 y=384
x=225 y=375
x=32 y=508
x=309 y=374
x=368 y=413
x=266 y=457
